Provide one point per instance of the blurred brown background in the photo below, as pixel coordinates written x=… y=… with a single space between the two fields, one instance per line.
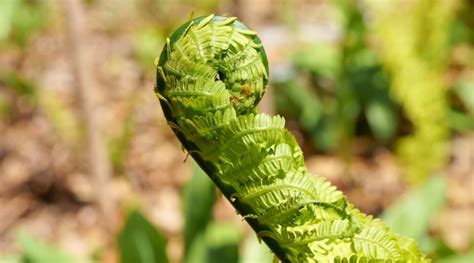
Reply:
x=380 y=94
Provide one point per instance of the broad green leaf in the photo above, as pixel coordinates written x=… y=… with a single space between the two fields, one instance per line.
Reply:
x=218 y=244
x=140 y=241
x=412 y=215
x=199 y=199
x=36 y=251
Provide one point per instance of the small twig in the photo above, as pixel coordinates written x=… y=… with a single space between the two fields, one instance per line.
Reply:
x=99 y=165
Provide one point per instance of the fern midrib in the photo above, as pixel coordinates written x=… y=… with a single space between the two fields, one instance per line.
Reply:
x=373 y=242
x=319 y=238
x=248 y=168
x=275 y=188
x=216 y=151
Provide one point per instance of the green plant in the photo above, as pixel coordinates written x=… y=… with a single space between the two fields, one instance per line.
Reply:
x=211 y=74
x=337 y=90
x=140 y=241
x=20 y=19
x=34 y=250
x=413 y=44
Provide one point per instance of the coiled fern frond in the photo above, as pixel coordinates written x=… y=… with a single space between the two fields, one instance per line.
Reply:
x=211 y=75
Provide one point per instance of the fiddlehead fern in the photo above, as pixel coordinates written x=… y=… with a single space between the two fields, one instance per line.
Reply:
x=211 y=74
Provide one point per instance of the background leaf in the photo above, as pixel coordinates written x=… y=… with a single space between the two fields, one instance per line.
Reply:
x=199 y=199
x=140 y=241
x=218 y=244
x=467 y=258
x=35 y=251
x=412 y=215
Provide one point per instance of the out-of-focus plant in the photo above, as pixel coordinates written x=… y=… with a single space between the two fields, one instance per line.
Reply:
x=20 y=19
x=461 y=67
x=140 y=241
x=428 y=200
x=337 y=86
x=413 y=45
x=20 y=95
x=34 y=250
x=199 y=198
x=145 y=42
x=219 y=243
x=204 y=239
x=118 y=145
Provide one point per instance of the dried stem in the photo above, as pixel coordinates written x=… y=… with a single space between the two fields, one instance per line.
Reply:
x=99 y=166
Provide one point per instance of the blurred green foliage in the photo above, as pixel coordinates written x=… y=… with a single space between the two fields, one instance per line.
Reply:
x=463 y=258
x=17 y=94
x=207 y=240
x=35 y=250
x=140 y=241
x=414 y=51
x=387 y=82
x=204 y=239
x=336 y=86
x=199 y=197
x=427 y=201
x=118 y=146
x=20 y=96
x=413 y=215
x=20 y=19
x=145 y=42
x=219 y=243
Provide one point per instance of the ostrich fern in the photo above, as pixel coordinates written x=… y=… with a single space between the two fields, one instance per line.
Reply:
x=210 y=77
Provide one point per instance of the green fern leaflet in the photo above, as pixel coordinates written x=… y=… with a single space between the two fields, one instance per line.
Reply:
x=211 y=74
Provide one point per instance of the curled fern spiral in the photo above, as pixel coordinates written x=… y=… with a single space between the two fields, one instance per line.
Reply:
x=211 y=74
